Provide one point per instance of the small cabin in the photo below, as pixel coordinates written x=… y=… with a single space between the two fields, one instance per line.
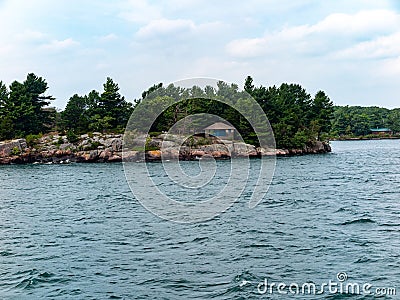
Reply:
x=220 y=130
x=381 y=131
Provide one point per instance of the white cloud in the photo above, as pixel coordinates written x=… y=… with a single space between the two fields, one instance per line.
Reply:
x=176 y=28
x=60 y=45
x=329 y=45
x=390 y=69
x=363 y=22
x=31 y=35
x=165 y=27
x=5 y=50
x=108 y=38
x=248 y=47
x=380 y=48
x=335 y=32
x=139 y=11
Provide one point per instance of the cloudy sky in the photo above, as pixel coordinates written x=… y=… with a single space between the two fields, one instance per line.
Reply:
x=350 y=49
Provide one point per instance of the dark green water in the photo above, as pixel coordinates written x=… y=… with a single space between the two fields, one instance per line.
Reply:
x=75 y=232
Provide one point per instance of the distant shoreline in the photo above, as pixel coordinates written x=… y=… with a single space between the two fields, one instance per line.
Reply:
x=365 y=138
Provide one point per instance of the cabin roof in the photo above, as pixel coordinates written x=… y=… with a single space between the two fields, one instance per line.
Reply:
x=219 y=125
x=380 y=129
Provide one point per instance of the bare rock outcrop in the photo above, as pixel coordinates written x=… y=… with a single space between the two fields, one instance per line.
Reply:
x=97 y=147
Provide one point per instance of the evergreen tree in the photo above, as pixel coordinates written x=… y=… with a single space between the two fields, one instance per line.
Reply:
x=322 y=113
x=23 y=106
x=6 y=123
x=248 y=85
x=75 y=116
x=113 y=106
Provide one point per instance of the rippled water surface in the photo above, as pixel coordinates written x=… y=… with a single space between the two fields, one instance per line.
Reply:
x=76 y=232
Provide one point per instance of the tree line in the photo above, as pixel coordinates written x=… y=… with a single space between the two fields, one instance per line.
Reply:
x=296 y=117
x=24 y=110
x=356 y=121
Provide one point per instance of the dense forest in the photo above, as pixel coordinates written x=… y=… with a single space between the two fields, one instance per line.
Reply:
x=25 y=111
x=357 y=121
x=297 y=118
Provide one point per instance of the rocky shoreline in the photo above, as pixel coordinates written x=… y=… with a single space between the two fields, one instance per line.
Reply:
x=100 y=148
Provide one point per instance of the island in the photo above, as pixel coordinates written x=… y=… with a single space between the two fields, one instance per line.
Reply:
x=91 y=127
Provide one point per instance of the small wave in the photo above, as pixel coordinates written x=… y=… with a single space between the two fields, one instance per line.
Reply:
x=259 y=245
x=35 y=279
x=176 y=284
x=281 y=233
x=82 y=219
x=363 y=260
x=245 y=275
x=342 y=209
x=390 y=225
x=5 y=253
x=360 y=242
x=179 y=284
x=199 y=239
x=359 y=221
x=238 y=286
x=120 y=243
x=195 y=240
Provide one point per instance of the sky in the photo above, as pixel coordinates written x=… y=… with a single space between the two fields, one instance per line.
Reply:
x=349 y=49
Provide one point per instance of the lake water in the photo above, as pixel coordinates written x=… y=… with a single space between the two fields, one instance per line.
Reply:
x=76 y=232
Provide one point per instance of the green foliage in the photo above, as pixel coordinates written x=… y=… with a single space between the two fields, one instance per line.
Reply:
x=6 y=121
x=6 y=128
x=154 y=133
x=60 y=141
x=296 y=117
x=15 y=151
x=190 y=141
x=149 y=146
x=151 y=90
x=99 y=123
x=203 y=141
x=113 y=106
x=300 y=139
x=23 y=108
x=248 y=85
x=92 y=146
x=32 y=139
x=72 y=137
x=393 y=120
x=97 y=112
x=357 y=121
x=321 y=113
x=75 y=115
